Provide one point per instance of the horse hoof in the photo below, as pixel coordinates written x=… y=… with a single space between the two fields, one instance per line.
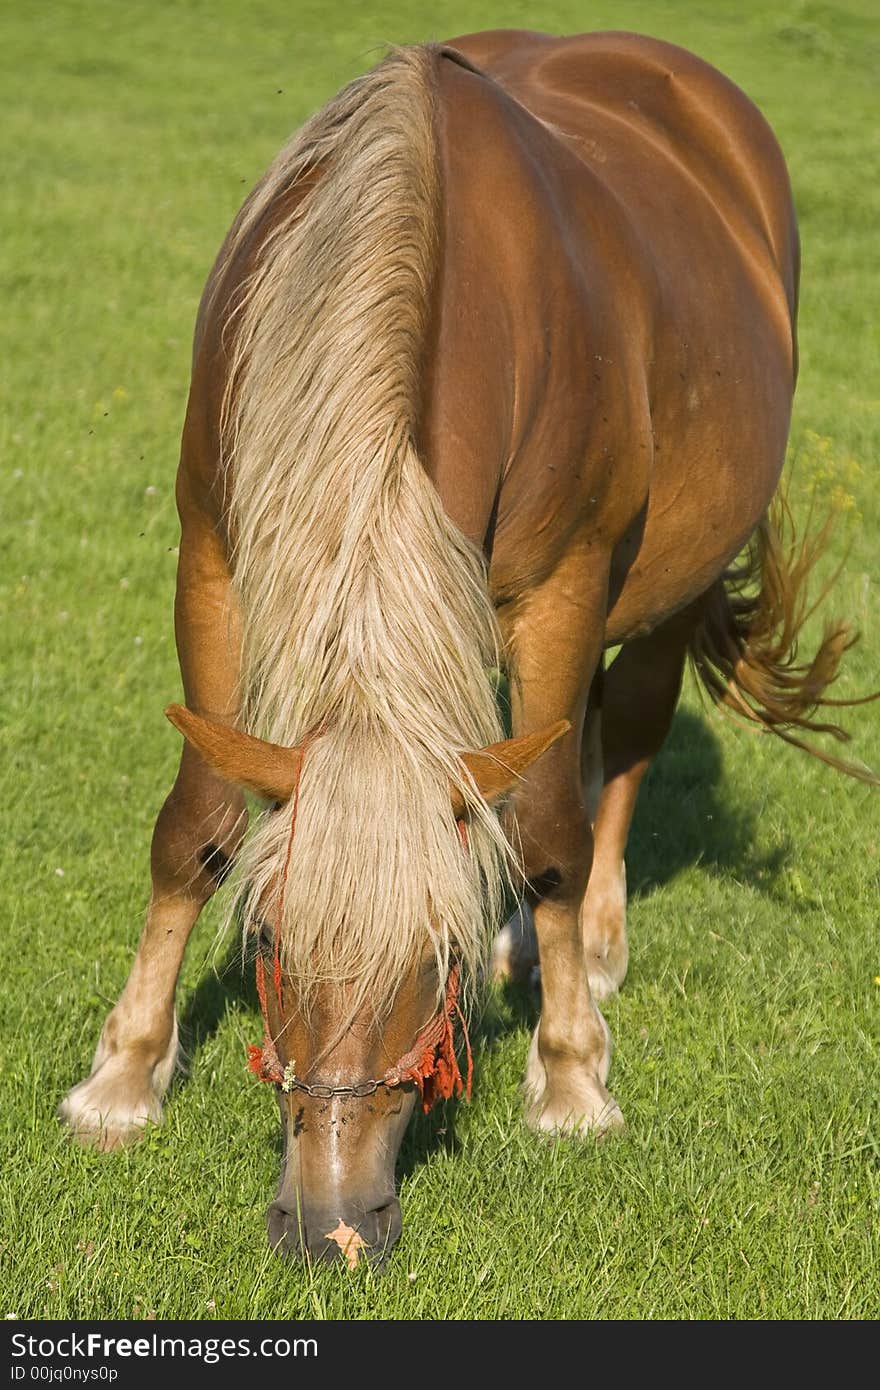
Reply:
x=580 y=1105
x=105 y=1129
x=594 y=1114
x=110 y=1109
x=602 y=985
x=607 y=966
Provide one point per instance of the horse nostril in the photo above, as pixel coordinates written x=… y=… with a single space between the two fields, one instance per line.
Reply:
x=385 y=1224
x=328 y=1234
x=284 y=1230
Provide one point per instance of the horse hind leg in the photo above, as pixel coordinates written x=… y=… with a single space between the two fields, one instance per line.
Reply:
x=197 y=834
x=627 y=724
x=515 y=949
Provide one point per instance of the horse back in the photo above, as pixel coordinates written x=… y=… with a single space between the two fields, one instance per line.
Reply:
x=648 y=114
x=614 y=352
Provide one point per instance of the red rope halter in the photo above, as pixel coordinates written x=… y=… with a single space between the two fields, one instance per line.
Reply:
x=431 y=1061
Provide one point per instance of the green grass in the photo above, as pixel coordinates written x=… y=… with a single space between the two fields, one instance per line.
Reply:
x=747 y=1056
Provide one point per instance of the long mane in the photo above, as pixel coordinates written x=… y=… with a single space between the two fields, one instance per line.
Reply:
x=365 y=611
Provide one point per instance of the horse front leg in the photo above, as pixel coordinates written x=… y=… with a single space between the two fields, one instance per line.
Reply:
x=196 y=836
x=555 y=648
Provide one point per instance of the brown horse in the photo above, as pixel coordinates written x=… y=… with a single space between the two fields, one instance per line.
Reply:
x=494 y=369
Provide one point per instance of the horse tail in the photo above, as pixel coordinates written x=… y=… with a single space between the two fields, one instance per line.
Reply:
x=746 y=647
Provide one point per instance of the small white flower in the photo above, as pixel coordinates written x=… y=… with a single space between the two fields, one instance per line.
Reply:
x=288 y=1080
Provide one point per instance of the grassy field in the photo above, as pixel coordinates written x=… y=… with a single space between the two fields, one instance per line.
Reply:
x=747 y=1057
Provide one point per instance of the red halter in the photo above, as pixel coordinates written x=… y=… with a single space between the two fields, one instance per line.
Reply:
x=431 y=1061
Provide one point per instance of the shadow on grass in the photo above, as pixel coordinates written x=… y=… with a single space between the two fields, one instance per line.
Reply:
x=227 y=987
x=682 y=820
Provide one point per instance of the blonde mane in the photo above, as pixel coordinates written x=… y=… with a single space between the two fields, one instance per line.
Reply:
x=365 y=611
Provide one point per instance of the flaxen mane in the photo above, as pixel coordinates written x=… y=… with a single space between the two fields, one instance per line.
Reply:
x=366 y=613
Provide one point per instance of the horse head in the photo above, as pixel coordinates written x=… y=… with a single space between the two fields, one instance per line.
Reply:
x=348 y=1075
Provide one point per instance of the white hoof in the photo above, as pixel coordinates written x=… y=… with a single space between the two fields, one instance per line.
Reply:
x=593 y=1113
x=580 y=1106
x=112 y=1107
x=602 y=984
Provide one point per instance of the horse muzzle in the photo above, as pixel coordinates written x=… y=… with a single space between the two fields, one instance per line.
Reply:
x=329 y=1232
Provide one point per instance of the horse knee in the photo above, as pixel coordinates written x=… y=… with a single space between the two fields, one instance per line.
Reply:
x=556 y=839
x=197 y=835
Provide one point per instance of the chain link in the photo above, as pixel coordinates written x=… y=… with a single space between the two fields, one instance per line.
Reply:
x=319 y=1092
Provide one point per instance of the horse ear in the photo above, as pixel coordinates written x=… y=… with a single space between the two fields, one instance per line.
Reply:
x=497 y=768
x=265 y=768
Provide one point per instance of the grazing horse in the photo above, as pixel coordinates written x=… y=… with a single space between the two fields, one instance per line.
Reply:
x=494 y=371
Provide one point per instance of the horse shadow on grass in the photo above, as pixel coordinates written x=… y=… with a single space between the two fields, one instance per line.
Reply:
x=227 y=986
x=682 y=820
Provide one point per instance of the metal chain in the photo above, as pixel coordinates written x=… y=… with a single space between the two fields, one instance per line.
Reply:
x=318 y=1092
